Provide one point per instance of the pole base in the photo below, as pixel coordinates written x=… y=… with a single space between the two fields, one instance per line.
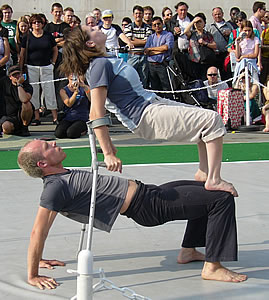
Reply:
x=245 y=128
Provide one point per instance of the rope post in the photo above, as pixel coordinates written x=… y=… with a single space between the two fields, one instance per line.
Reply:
x=247 y=96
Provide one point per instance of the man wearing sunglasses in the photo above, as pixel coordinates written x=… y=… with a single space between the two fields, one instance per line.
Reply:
x=158 y=48
x=212 y=79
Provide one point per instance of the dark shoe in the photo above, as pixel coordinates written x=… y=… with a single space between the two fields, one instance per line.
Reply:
x=55 y=122
x=24 y=131
x=36 y=122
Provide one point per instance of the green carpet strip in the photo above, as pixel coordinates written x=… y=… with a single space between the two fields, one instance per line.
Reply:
x=80 y=157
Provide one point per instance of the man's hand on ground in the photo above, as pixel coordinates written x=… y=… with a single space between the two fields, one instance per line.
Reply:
x=43 y=282
x=49 y=264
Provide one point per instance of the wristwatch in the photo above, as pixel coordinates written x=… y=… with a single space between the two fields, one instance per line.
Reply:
x=19 y=85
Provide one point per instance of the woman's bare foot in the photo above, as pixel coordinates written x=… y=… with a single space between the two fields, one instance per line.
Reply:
x=200 y=176
x=221 y=185
x=266 y=129
x=187 y=255
x=215 y=271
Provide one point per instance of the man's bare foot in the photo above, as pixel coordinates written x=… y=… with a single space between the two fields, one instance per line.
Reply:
x=187 y=255
x=221 y=185
x=200 y=176
x=215 y=271
x=266 y=129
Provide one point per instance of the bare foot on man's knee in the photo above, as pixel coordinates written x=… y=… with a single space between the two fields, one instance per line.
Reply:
x=215 y=271
x=221 y=185
x=200 y=176
x=187 y=255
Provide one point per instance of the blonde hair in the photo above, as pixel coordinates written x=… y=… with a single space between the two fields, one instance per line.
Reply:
x=27 y=161
x=76 y=54
x=20 y=20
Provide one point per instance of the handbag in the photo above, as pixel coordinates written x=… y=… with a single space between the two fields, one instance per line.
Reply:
x=207 y=55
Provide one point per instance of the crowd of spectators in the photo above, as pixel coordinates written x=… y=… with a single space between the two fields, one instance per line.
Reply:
x=210 y=51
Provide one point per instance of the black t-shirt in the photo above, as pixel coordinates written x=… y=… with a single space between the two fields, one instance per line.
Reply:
x=39 y=49
x=57 y=30
x=9 y=93
x=4 y=32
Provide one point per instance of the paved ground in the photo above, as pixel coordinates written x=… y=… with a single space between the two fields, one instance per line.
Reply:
x=142 y=259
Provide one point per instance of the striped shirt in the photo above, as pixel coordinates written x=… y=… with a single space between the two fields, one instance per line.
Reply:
x=133 y=31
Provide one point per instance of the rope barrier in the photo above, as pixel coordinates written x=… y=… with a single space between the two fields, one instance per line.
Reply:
x=153 y=91
x=192 y=90
x=156 y=91
x=48 y=81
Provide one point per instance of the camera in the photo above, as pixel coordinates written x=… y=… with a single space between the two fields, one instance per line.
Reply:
x=243 y=36
x=74 y=79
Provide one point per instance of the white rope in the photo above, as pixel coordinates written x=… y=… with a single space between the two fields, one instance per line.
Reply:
x=166 y=92
x=191 y=90
x=48 y=81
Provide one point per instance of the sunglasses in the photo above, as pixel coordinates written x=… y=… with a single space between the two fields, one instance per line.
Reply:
x=213 y=74
x=236 y=21
x=156 y=24
x=36 y=22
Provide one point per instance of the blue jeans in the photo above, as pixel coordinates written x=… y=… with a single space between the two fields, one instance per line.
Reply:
x=140 y=63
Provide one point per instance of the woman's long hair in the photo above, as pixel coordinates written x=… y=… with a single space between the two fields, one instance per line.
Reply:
x=76 y=54
x=18 y=32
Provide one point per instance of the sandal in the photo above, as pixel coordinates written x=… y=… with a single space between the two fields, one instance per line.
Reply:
x=36 y=122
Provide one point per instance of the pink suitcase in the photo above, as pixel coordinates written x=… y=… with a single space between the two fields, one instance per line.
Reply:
x=231 y=106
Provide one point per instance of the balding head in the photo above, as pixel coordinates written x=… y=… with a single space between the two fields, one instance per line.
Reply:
x=212 y=75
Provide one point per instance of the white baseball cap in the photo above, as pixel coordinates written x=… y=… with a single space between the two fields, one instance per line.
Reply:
x=107 y=13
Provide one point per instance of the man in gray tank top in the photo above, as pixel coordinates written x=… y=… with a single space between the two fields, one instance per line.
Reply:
x=69 y=193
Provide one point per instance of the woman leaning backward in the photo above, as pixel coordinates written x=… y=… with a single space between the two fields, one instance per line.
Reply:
x=116 y=85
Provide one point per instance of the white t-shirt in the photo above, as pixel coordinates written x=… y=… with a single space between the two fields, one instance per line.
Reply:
x=213 y=91
x=112 y=34
x=183 y=42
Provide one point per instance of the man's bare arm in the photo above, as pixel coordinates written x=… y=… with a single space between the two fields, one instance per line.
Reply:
x=138 y=42
x=156 y=50
x=43 y=222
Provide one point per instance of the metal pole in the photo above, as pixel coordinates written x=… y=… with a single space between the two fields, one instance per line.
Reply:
x=85 y=257
x=247 y=96
x=170 y=82
x=81 y=239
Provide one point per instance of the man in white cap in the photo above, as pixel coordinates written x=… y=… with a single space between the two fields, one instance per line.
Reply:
x=113 y=32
